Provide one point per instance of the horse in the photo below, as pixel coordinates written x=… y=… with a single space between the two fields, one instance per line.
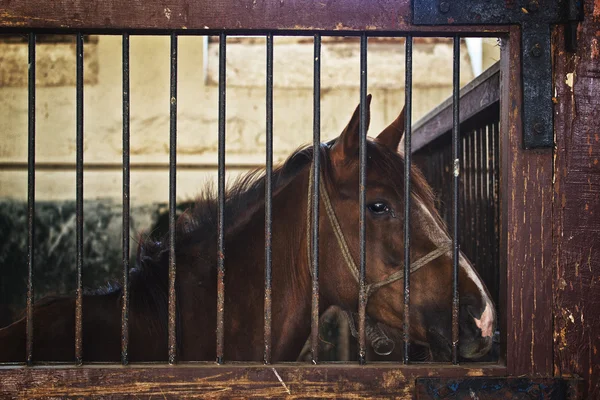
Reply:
x=244 y=260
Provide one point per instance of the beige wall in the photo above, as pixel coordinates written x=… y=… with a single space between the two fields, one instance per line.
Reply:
x=197 y=107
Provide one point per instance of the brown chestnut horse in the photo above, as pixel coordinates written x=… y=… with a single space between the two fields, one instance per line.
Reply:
x=196 y=241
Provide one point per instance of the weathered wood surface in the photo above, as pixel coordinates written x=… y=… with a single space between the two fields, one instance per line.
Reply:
x=497 y=388
x=479 y=94
x=209 y=380
x=208 y=14
x=526 y=231
x=577 y=204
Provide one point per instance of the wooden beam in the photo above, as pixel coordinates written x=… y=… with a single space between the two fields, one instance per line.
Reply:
x=576 y=258
x=526 y=230
x=207 y=15
x=209 y=380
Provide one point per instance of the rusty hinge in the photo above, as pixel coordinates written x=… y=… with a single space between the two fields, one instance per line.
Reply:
x=535 y=18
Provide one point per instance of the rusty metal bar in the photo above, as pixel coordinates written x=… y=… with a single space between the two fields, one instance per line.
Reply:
x=407 y=166
x=221 y=212
x=126 y=206
x=30 y=198
x=471 y=195
x=268 y=202
x=456 y=173
x=315 y=198
x=79 y=203
x=173 y=203
x=362 y=300
x=486 y=261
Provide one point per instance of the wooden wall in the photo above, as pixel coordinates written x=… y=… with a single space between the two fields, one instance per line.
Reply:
x=576 y=208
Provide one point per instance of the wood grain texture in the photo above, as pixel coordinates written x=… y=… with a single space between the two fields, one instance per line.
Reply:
x=577 y=204
x=209 y=380
x=526 y=239
x=213 y=15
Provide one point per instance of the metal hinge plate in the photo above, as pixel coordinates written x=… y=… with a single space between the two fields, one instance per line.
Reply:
x=535 y=18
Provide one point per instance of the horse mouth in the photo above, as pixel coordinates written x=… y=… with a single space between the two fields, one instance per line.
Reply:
x=441 y=347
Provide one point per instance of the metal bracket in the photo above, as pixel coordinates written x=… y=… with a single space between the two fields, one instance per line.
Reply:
x=535 y=18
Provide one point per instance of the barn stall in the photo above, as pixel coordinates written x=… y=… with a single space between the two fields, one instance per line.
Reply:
x=540 y=172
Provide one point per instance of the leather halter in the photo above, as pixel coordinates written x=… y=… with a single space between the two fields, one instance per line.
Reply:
x=343 y=245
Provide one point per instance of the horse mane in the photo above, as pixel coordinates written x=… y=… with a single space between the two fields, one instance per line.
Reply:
x=245 y=196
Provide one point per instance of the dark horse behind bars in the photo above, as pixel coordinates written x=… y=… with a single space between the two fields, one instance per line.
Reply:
x=196 y=242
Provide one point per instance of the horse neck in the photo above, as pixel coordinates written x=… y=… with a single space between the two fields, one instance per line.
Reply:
x=245 y=263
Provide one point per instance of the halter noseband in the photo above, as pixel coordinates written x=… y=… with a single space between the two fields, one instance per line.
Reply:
x=343 y=245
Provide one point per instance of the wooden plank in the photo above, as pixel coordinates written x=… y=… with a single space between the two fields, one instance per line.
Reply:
x=497 y=388
x=576 y=257
x=481 y=93
x=526 y=231
x=206 y=15
x=209 y=380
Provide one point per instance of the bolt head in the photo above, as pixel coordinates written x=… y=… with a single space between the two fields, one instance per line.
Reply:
x=536 y=50
x=533 y=6
x=444 y=7
x=538 y=128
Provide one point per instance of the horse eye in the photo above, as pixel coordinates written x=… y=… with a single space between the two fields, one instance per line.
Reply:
x=378 y=208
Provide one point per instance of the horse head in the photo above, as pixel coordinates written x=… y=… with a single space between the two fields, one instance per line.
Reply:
x=431 y=280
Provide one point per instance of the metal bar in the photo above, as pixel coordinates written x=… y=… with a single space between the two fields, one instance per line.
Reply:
x=490 y=204
x=173 y=203
x=314 y=324
x=362 y=300
x=455 y=156
x=496 y=197
x=268 y=201
x=463 y=206
x=483 y=197
x=126 y=207
x=407 y=167
x=473 y=193
x=79 y=204
x=221 y=213
x=30 y=198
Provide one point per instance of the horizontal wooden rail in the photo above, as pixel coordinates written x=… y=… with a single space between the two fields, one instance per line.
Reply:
x=207 y=15
x=208 y=380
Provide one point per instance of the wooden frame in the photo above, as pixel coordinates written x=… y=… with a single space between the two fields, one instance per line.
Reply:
x=526 y=188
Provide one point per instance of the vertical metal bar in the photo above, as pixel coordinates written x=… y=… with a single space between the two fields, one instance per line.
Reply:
x=362 y=300
x=268 y=201
x=496 y=196
x=315 y=198
x=30 y=198
x=126 y=208
x=407 y=167
x=463 y=184
x=79 y=203
x=172 y=327
x=455 y=156
x=472 y=197
x=483 y=204
x=221 y=213
x=490 y=204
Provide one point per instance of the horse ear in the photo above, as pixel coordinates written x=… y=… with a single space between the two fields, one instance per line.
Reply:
x=346 y=146
x=393 y=136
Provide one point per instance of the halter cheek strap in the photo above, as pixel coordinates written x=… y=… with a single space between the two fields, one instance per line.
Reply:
x=343 y=245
